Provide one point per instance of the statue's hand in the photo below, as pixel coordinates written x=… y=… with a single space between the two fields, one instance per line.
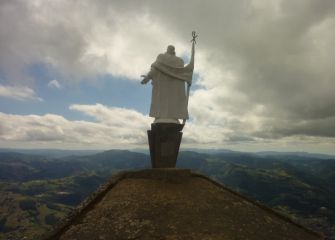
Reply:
x=145 y=79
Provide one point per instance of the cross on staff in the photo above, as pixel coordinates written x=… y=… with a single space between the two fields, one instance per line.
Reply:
x=194 y=36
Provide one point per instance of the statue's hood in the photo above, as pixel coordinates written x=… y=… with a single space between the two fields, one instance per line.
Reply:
x=173 y=67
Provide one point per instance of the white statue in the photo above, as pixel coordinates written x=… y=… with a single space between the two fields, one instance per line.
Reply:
x=169 y=79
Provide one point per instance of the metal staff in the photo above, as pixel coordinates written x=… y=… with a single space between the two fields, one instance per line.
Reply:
x=194 y=36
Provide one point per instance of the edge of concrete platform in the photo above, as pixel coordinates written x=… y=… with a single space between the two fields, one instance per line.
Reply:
x=260 y=205
x=85 y=206
x=171 y=175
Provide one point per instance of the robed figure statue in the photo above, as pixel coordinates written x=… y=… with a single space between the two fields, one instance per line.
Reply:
x=171 y=82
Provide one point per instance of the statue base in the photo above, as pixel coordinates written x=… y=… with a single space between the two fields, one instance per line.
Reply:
x=164 y=143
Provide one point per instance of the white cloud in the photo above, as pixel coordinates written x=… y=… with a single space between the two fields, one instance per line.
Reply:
x=87 y=39
x=54 y=84
x=265 y=67
x=113 y=128
x=113 y=116
x=18 y=93
x=123 y=128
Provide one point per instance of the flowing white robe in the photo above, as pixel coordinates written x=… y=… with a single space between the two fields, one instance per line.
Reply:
x=169 y=78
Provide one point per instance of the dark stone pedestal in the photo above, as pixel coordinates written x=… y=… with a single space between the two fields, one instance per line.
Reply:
x=164 y=142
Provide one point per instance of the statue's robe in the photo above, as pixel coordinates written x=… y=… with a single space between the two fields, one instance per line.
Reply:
x=169 y=80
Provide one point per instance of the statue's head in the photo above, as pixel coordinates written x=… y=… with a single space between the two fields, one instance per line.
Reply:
x=171 y=50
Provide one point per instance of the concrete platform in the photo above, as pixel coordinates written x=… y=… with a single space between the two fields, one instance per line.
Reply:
x=174 y=204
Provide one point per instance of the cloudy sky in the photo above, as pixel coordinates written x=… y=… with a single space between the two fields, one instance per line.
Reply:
x=264 y=76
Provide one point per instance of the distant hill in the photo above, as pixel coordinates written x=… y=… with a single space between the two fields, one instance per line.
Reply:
x=23 y=167
x=52 y=153
x=41 y=189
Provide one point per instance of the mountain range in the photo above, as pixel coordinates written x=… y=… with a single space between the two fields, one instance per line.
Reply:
x=37 y=188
